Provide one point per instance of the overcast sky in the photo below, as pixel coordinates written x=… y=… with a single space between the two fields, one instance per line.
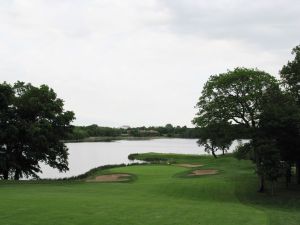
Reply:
x=140 y=62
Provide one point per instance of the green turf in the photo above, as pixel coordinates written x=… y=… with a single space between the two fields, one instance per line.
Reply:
x=158 y=195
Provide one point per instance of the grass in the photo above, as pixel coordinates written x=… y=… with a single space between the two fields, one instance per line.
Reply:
x=158 y=194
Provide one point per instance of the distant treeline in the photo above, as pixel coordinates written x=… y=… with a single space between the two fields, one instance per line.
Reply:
x=82 y=132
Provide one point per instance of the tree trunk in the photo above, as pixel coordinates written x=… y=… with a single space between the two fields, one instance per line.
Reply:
x=5 y=175
x=262 y=184
x=17 y=174
x=214 y=154
x=298 y=171
x=288 y=175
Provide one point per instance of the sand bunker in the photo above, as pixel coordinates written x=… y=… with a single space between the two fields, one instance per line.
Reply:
x=203 y=172
x=111 y=178
x=189 y=165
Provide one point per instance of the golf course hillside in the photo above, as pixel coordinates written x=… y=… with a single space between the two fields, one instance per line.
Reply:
x=172 y=190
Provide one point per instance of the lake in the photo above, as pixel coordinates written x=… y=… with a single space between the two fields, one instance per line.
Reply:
x=87 y=155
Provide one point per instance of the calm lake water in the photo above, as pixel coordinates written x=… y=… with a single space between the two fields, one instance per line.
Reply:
x=88 y=155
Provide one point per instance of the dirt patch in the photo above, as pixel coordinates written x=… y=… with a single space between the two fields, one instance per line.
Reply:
x=111 y=178
x=188 y=165
x=203 y=172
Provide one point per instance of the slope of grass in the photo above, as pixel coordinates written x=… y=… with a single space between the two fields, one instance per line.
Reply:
x=159 y=194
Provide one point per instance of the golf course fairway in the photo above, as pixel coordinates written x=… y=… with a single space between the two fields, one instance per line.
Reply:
x=153 y=194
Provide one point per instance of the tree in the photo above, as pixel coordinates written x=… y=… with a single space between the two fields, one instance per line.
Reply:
x=267 y=160
x=234 y=98
x=274 y=145
x=170 y=130
x=215 y=137
x=33 y=123
x=264 y=152
x=244 y=151
x=290 y=75
x=280 y=120
x=6 y=98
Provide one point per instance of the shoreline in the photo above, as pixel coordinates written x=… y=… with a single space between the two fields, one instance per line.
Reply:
x=112 y=139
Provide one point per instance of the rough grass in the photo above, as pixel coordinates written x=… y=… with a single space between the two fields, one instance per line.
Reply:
x=159 y=194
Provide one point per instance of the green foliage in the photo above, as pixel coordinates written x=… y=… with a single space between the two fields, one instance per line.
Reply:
x=32 y=123
x=267 y=159
x=233 y=97
x=216 y=137
x=87 y=133
x=244 y=151
x=231 y=102
x=250 y=100
x=280 y=120
x=82 y=132
x=290 y=75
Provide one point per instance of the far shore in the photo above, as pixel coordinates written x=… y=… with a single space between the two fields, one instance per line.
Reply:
x=111 y=139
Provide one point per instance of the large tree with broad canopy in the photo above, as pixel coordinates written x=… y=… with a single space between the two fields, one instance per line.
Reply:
x=235 y=98
x=32 y=125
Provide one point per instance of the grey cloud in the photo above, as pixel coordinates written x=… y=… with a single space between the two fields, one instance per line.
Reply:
x=267 y=23
x=117 y=62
